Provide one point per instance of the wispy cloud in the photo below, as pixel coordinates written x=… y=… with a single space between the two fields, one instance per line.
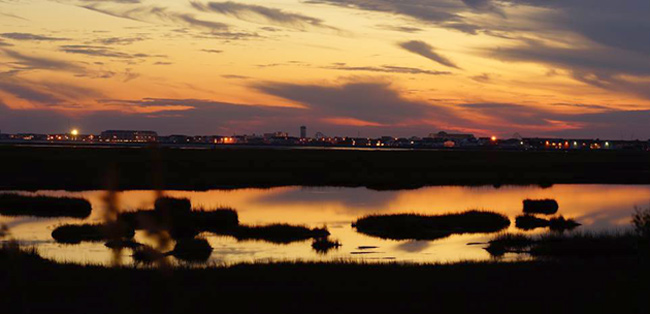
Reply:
x=386 y=69
x=30 y=37
x=253 y=13
x=423 y=49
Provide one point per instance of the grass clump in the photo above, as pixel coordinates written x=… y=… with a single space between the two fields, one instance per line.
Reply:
x=560 y=224
x=275 y=233
x=43 y=206
x=324 y=245
x=560 y=245
x=74 y=234
x=586 y=245
x=192 y=250
x=509 y=243
x=530 y=222
x=421 y=227
x=545 y=206
x=641 y=221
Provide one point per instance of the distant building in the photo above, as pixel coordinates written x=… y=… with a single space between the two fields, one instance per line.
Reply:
x=128 y=136
x=303 y=132
x=451 y=136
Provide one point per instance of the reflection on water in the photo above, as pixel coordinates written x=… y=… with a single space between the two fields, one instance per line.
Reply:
x=597 y=207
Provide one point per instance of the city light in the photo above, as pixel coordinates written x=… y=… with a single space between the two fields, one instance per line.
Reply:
x=493 y=138
x=74 y=132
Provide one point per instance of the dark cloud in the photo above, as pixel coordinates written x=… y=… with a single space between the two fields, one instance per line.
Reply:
x=156 y=14
x=46 y=93
x=100 y=51
x=423 y=49
x=602 y=67
x=30 y=37
x=386 y=69
x=399 y=28
x=443 y=13
x=25 y=62
x=249 y=12
x=119 y=40
x=236 y=77
x=212 y=50
x=374 y=102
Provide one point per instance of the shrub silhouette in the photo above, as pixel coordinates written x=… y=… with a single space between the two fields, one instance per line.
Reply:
x=545 y=206
x=421 y=227
x=43 y=206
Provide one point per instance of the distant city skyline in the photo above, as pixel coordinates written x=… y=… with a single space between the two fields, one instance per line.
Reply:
x=573 y=68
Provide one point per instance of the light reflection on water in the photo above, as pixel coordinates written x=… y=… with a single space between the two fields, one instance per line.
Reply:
x=597 y=207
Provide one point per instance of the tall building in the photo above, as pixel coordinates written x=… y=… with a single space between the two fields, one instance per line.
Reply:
x=303 y=132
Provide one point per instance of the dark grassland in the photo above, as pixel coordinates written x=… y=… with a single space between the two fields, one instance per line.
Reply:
x=609 y=285
x=43 y=206
x=85 y=168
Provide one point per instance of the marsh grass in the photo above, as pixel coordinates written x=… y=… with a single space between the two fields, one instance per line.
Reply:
x=74 y=234
x=545 y=206
x=275 y=233
x=562 y=245
x=192 y=250
x=324 y=245
x=422 y=227
x=12 y=204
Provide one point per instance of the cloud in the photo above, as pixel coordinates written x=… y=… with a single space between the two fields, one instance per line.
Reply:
x=423 y=49
x=24 y=62
x=156 y=14
x=100 y=51
x=371 y=102
x=400 y=28
x=118 y=40
x=386 y=69
x=442 y=13
x=607 y=68
x=30 y=37
x=252 y=13
x=212 y=50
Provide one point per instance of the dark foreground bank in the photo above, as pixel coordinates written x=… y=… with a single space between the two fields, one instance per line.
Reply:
x=611 y=285
x=84 y=168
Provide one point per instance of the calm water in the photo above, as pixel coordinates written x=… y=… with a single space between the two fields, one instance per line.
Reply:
x=597 y=207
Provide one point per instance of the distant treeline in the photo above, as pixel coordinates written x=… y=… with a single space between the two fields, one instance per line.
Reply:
x=146 y=168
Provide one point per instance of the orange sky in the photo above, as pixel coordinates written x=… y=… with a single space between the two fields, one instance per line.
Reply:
x=374 y=67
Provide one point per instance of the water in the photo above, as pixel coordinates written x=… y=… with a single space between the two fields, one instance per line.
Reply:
x=597 y=207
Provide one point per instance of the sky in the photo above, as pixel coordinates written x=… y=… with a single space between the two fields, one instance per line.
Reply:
x=569 y=68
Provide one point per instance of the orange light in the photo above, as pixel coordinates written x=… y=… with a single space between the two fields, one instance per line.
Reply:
x=493 y=138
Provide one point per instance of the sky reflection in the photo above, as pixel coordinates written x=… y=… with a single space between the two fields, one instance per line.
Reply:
x=597 y=207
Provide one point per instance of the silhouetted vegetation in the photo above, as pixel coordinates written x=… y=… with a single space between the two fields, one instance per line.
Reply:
x=421 y=227
x=182 y=223
x=546 y=207
x=274 y=233
x=43 y=206
x=73 y=234
x=186 y=169
x=530 y=222
x=509 y=243
x=146 y=255
x=31 y=284
x=324 y=245
x=641 y=221
x=192 y=250
x=562 y=224
x=122 y=244
x=569 y=245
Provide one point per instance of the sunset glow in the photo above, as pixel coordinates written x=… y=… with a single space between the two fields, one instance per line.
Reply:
x=341 y=67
